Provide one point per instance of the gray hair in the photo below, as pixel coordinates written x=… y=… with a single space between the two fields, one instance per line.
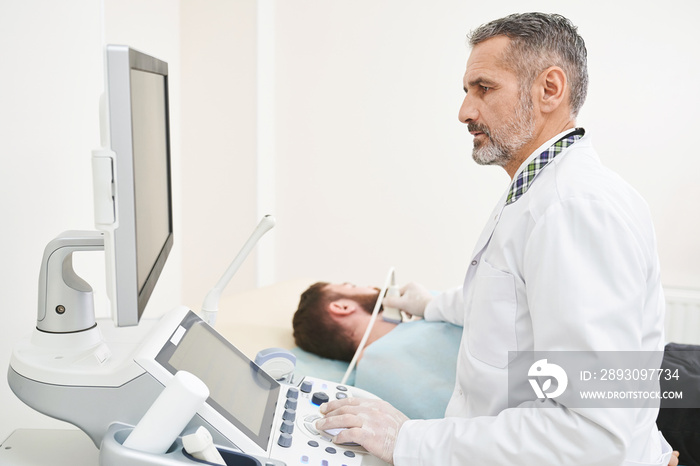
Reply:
x=538 y=41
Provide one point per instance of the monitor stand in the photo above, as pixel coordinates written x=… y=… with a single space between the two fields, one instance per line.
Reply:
x=65 y=368
x=66 y=303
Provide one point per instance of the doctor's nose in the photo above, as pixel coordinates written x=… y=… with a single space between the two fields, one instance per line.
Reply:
x=467 y=112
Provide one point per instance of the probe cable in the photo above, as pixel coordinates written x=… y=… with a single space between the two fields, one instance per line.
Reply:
x=388 y=282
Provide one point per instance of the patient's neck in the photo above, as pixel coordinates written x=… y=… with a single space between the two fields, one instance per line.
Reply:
x=380 y=328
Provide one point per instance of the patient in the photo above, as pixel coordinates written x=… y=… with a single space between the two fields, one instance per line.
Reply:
x=412 y=364
x=332 y=318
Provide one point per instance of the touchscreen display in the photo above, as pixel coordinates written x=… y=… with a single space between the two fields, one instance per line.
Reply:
x=239 y=389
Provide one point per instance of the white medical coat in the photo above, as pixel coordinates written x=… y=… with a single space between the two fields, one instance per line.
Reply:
x=572 y=266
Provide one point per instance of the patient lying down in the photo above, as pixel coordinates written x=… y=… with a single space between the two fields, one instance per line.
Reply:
x=411 y=365
x=332 y=318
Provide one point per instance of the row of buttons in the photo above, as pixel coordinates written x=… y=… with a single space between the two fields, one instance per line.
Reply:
x=305 y=460
x=319 y=398
x=331 y=450
x=308 y=385
x=288 y=416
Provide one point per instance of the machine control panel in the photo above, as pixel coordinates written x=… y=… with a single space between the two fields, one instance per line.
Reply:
x=250 y=409
x=297 y=439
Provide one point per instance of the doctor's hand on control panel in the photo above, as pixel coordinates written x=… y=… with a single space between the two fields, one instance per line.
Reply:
x=373 y=424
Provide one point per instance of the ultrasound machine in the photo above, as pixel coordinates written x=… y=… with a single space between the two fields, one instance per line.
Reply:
x=103 y=375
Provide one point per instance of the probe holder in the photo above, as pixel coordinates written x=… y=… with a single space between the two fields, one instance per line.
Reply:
x=114 y=453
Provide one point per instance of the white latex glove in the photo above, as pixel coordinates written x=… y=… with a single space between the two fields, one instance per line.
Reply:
x=413 y=299
x=374 y=424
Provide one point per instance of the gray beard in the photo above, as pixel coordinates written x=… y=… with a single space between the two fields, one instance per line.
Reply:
x=503 y=143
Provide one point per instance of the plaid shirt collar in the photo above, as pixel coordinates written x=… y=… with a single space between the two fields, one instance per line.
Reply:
x=521 y=184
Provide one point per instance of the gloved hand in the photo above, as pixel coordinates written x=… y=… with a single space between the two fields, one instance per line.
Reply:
x=374 y=424
x=413 y=299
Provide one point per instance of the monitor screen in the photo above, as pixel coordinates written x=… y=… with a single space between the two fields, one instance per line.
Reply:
x=151 y=190
x=240 y=391
x=139 y=239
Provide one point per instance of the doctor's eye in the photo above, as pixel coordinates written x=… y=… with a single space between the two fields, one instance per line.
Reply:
x=485 y=89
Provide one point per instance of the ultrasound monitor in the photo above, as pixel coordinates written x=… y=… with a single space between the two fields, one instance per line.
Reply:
x=137 y=219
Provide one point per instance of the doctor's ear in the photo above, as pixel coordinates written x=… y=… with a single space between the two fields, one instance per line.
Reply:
x=551 y=88
x=342 y=307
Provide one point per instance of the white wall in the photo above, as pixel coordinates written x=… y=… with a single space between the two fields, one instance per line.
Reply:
x=374 y=169
x=219 y=142
x=50 y=85
x=372 y=165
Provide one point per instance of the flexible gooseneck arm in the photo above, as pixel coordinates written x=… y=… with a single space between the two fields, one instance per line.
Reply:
x=211 y=302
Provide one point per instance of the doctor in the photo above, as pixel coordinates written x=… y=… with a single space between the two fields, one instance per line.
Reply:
x=566 y=262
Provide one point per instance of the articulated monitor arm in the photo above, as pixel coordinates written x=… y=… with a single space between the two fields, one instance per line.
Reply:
x=65 y=302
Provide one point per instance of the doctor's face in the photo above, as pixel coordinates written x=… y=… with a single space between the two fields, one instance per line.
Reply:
x=497 y=111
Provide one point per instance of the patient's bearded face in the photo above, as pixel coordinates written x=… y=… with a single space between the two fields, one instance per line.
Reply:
x=365 y=296
x=368 y=301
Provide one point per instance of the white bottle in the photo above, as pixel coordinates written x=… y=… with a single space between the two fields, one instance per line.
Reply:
x=165 y=420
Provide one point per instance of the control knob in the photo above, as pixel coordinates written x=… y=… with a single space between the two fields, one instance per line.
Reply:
x=319 y=398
